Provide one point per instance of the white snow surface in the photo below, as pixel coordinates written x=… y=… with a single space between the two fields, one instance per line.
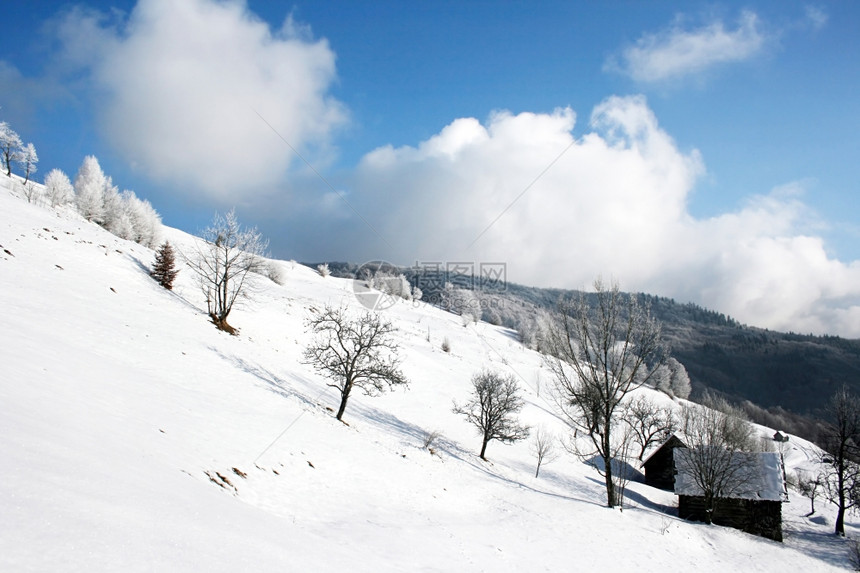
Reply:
x=119 y=400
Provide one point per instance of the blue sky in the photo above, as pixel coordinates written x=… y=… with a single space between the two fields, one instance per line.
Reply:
x=699 y=150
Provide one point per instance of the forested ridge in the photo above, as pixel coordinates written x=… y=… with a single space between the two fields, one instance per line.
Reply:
x=782 y=374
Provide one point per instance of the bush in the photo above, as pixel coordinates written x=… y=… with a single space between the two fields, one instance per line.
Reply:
x=275 y=273
x=446 y=346
x=323 y=270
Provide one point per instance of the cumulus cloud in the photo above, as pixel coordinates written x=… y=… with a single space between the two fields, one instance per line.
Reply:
x=677 y=52
x=614 y=204
x=183 y=87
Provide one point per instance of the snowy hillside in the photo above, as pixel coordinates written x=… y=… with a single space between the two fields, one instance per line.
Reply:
x=136 y=436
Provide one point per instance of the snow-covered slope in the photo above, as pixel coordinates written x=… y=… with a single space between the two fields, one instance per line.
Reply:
x=124 y=414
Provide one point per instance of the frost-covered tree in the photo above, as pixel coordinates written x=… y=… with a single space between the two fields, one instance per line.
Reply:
x=461 y=301
x=672 y=379
x=493 y=407
x=598 y=355
x=164 y=269
x=680 y=380
x=144 y=219
x=89 y=190
x=58 y=188
x=10 y=145
x=112 y=206
x=27 y=159
x=225 y=262
x=417 y=293
x=392 y=284
x=353 y=352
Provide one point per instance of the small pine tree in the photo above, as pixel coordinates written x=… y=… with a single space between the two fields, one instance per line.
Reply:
x=164 y=269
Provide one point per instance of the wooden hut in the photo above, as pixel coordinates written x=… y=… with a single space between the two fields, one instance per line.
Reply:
x=780 y=437
x=754 y=506
x=660 y=464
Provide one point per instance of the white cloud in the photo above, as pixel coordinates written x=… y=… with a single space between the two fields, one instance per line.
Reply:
x=677 y=52
x=182 y=84
x=816 y=17
x=615 y=204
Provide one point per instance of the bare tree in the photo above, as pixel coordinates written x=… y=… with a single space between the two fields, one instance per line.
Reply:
x=223 y=263
x=711 y=460
x=31 y=192
x=597 y=356
x=493 y=407
x=809 y=486
x=650 y=423
x=543 y=447
x=841 y=441
x=357 y=352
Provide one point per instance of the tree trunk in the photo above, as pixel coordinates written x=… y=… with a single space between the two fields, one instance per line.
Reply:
x=610 y=485
x=344 y=396
x=710 y=502
x=221 y=324
x=840 y=520
x=840 y=483
x=484 y=448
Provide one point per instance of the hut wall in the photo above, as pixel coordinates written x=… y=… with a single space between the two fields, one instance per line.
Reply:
x=763 y=518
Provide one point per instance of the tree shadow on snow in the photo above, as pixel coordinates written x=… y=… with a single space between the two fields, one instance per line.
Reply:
x=416 y=434
x=274 y=383
x=821 y=544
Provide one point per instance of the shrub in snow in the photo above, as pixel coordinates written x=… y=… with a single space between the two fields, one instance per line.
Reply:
x=274 y=272
x=446 y=345
x=323 y=270
x=31 y=191
x=430 y=439
x=164 y=270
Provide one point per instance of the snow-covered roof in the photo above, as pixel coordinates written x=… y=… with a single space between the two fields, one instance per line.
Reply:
x=760 y=477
